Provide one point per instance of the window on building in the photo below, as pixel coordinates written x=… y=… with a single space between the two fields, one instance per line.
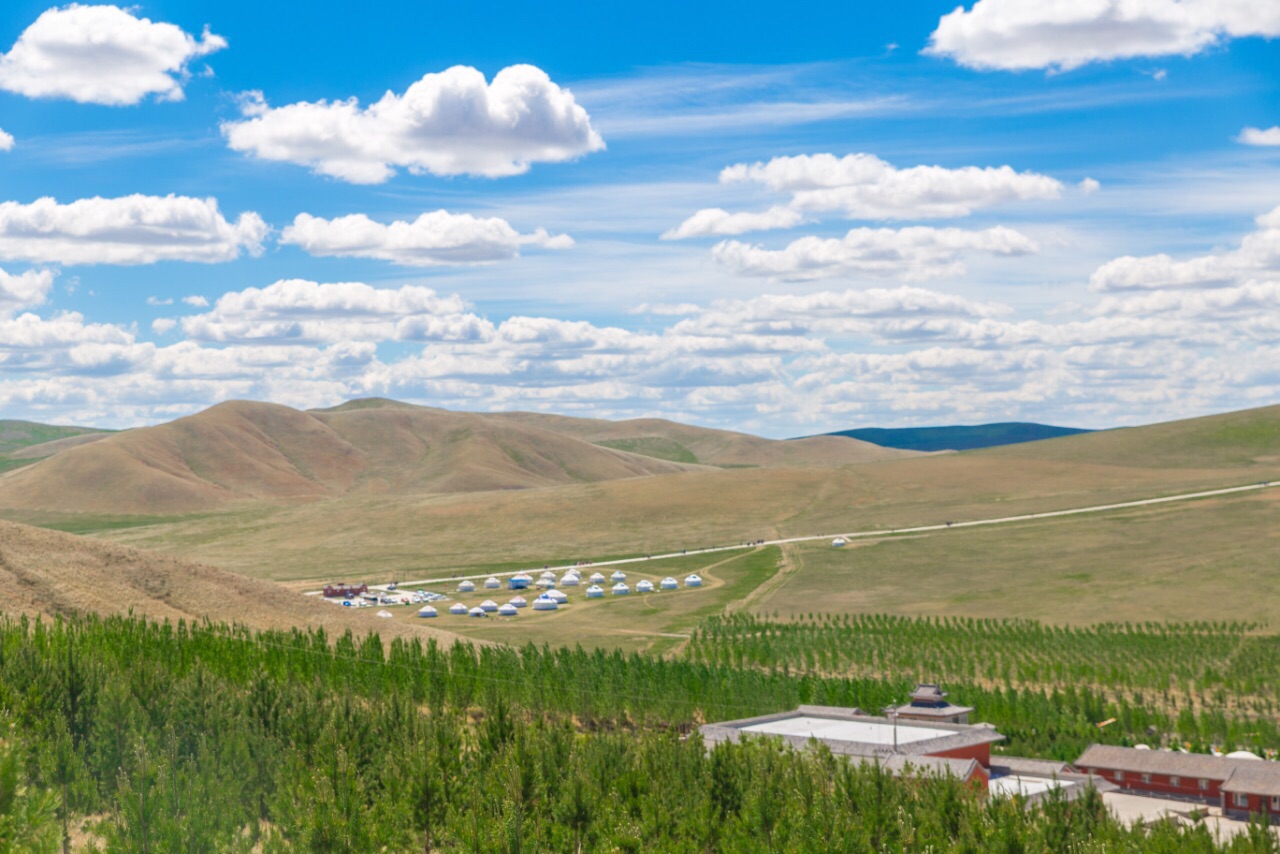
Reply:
x=1146 y=778
x=1275 y=803
x=1241 y=800
x=1175 y=781
x=1204 y=784
x=1119 y=775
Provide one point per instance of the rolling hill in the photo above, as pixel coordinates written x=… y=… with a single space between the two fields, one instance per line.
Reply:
x=52 y=573
x=958 y=437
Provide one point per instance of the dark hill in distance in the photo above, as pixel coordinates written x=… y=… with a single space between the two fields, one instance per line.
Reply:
x=958 y=437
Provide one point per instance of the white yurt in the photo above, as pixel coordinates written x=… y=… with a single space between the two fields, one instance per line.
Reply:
x=386 y=615
x=621 y=589
x=427 y=611
x=596 y=578
x=618 y=575
x=838 y=542
x=546 y=573
x=521 y=581
x=508 y=610
x=517 y=602
x=458 y=608
x=492 y=583
x=476 y=612
x=644 y=586
x=570 y=580
x=488 y=606
x=546 y=583
x=694 y=580
x=557 y=595
x=595 y=591
x=543 y=603
x=669 y=583
x=466 y=587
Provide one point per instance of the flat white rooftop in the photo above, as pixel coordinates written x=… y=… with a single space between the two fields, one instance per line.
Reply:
x=865 y=732
x=1012 y=784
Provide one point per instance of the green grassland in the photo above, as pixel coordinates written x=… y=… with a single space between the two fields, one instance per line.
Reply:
x=660 y=447
x=15 y=435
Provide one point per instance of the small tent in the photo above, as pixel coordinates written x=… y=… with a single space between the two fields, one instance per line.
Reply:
x=466 y=587
x=476 y=612
x=557 y=595
x=427 y=611
x=669 y=583
x=517 y=602
x=457 y=608
x=596 y=578
x=644 y=586
x=508 y=610
x=839 y=542
x=492 y=583
x=621 y=589
x=595 y=591
x=520 y=582
x=618 y=575
x=694 y=580
x=570 y=580
x=488 y=606
x=542 y=603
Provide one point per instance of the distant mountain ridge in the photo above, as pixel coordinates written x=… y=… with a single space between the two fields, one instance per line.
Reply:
x=958 y=437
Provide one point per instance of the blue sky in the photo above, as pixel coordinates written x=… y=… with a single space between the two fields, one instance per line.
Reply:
x=749 y=216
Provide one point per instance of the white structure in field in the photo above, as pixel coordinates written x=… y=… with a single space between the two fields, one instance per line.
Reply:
x=508 y=610
x=517 y=602
x=644 y=586
x=669 y=583
x=694 y=580
x=618 y=575
x=621 y=589
x=596 y=578
x=595 y=591
x=570 y=580
x=466 y=587
x=558 y=596
x=476 y=612
x=543 y=603
x=427 y=611
x=488 y=606
x=457 y=608
x=520 y=582
x=492 y=583
x=838 y=542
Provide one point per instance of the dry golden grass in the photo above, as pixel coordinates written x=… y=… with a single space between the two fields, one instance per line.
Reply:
x=52 y=573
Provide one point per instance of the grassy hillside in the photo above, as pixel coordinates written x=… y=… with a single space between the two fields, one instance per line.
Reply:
x=20 y=434
x=957 y=438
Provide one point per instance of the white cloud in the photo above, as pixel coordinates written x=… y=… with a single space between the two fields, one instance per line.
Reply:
x=6 y=141
x=435 y=238
x=133 y=229
x=156 y=301
x=914 y=253
x=718 y=221
x=862 y=186
x=24 y=290
x=1259 y=136
x=1065 y=34
x=1257 y=255
x=196 y=300
x=298 y=311
x=162 y=325
x=1089 y=186
x=101 y=55
x=449 y=123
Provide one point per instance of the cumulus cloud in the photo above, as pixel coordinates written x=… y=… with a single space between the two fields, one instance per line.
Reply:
x=914 y=253
x=433 y=239
x=1259 y=136
x=449 y=123
x=163 y=325
x=23 y=290
x=862 y=186
x=102 y=55
x=1257 y=255
x=196 y=300
x=133 y=229
x=6 y=141
x=301 y=311
x=1089 y=186
x=1064 y=34
x=718 y=221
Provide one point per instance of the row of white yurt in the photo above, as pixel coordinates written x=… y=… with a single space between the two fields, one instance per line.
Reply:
x=545 y=603
x=595 y=591
x=644 y=586
x=596 y=578
x=621 y=589
x=669 y=583
x=492 y=583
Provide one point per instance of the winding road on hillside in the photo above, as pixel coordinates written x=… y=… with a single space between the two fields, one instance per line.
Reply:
x=886 y=532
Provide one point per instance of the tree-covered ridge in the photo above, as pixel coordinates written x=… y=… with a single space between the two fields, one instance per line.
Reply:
x=203 y=738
